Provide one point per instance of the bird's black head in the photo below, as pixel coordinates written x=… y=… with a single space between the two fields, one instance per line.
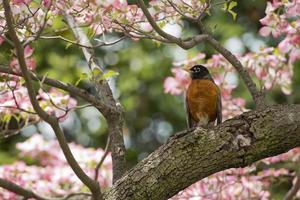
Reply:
x=199 y=72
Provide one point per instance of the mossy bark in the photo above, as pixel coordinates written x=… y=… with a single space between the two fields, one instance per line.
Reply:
x=192 y=155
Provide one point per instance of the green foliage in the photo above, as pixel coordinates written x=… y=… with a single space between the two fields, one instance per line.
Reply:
x=6 y=158
x=228 y=6
x=108 y=74
x=83 y=76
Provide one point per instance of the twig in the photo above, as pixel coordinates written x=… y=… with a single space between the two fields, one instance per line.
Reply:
x=76 y=194
x=295 y=188
x=28 y=194
x=106 y=151
x=82 y=45
x=293 y=191
x=181 y=13
x=52 y=120
x=41 y=29
x=187 y=43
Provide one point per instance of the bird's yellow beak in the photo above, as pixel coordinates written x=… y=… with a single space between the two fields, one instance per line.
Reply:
x=186 y=68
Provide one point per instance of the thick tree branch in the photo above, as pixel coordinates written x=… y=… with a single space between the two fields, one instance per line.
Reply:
x=27 y=194
x=115 y=117
x=52 y=120
x=194 y=155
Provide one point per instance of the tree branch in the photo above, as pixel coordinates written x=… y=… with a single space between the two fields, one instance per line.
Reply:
x=255 y=93
x=106 y=151
x=293 y=191
x=115 y=117
x=185 y=44
x=27 y=194
x=193 y=155
x=52 y=120
x=64 y=86
x=189 y=43
x=100 y=44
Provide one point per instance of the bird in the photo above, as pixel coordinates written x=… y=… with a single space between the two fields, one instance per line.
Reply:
x=203 y=98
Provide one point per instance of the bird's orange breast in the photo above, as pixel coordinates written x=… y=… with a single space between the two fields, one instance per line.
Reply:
x=202 y=97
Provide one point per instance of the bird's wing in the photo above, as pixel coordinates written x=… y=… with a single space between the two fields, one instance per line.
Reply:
x=219 y=108
x=188 y=113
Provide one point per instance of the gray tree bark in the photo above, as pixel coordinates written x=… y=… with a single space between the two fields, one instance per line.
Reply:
x=193 y=155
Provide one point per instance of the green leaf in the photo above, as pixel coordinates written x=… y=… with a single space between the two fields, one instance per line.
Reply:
x=57 y=23
x=157 y=43
x=233 y=14
x=81 y=77
x=108 y=74
x=229 y=6
x=208 y=13
x=225 y=6
x=232 y=4
x=6 y=118
x=68 y=45
x=96 y=72
x=276 y=52
x=162 y=24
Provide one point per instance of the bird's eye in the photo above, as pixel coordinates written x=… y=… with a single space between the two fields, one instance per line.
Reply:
x=198 y=69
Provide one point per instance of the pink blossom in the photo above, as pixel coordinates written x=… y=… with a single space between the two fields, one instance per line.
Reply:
x=47 y=3
x=14 y=64
x=31 y=63
x=21 y=1
x=294 y=55
x=52 y=176
x=178 y=84
x=293 y=9
x=120 y=4
x=265 y=31
x=28 y=51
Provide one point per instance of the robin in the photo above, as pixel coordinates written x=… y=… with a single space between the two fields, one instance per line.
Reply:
x=203 y=98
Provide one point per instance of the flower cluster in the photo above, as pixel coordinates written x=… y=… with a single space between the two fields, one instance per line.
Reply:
x=282 y=19
x=30 y=61
x=51 y=175
x=15 y=102
x=101 y=16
